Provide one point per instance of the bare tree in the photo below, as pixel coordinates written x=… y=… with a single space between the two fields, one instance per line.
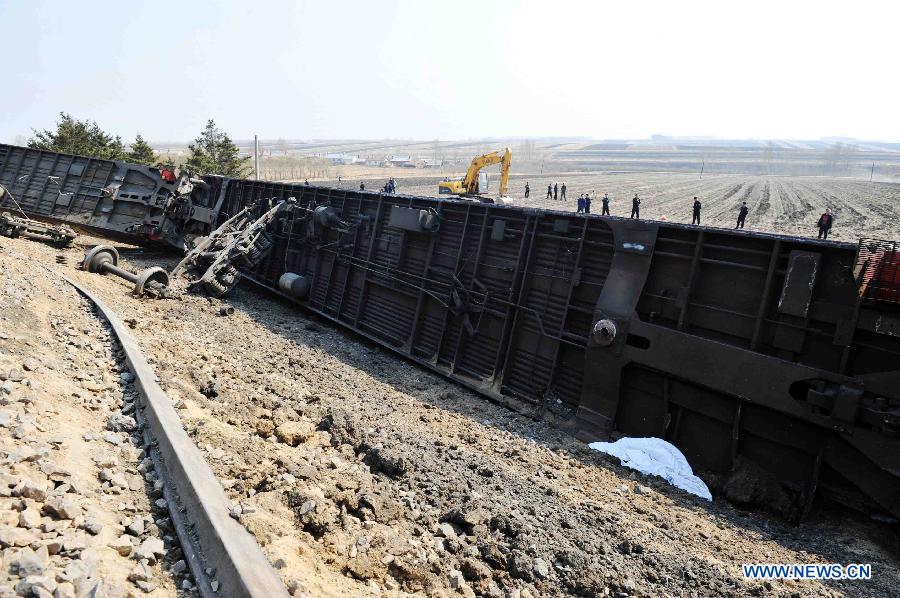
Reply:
x=768 y=156
x=850 y=156
x=526 y=151
x=436 y=151
x=837 y=159
x=830 y=155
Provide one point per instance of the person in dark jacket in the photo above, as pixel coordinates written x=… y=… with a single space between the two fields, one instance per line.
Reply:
x=563 y=189
x=605 y=204
x=362 y=186
x=549 y=191
x=824 y=224
x=527 y=190
x=635 y=207
x=580 y=204
x=742 y=215
x=697 y=207
x=587 y=203
x=555 y=191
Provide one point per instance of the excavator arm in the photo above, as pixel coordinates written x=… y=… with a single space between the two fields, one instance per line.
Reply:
x=469 y=184
x=504 y=171
x=471 y=181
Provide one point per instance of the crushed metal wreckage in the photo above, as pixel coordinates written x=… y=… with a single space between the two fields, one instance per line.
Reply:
x=241 y=242
x=772 y=362
x=14 y=226
x=23 y=226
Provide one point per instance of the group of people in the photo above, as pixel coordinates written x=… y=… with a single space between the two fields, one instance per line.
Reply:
x=389 y=187
x=742 y=213
x=554 y=191
x=584 y=204
x=558 y=192
x=826 y=220
x=824 y=224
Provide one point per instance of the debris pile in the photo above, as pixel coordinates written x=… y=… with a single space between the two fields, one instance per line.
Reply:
x=241 y=242
x=16 y=226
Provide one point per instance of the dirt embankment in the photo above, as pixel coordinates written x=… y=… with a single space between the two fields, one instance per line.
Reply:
x=361 y=474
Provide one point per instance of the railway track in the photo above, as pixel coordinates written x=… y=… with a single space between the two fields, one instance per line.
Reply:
x=223 y=557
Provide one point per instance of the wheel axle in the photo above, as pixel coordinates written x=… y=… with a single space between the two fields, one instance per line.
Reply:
x=104 y=259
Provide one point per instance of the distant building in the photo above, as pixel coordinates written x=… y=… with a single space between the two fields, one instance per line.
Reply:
x=402 y=161
x=340 y=159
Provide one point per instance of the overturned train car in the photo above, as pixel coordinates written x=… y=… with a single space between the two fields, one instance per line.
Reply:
x=114 y=198
x=732 y=345
x=737 y=347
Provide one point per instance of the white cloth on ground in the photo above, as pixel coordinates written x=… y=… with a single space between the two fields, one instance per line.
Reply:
x=655 y=456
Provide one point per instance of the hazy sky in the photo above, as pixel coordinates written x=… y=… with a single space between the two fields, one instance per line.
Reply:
x=453 y=69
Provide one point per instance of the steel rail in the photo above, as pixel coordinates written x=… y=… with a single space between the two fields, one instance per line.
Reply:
x=224 y=558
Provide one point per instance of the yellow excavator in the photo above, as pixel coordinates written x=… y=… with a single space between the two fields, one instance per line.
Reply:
x=468 y=186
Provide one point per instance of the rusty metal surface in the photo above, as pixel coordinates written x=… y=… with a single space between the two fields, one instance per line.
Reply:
x=878 y=271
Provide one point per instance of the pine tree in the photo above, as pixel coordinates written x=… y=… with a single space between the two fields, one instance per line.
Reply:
x=84 y=138
x=141 y=152
x=213 y=152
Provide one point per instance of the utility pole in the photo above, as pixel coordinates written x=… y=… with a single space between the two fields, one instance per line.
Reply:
x=256 y=156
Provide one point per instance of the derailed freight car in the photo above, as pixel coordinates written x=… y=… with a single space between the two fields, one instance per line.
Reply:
x=112 y=197
x=738 y=347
